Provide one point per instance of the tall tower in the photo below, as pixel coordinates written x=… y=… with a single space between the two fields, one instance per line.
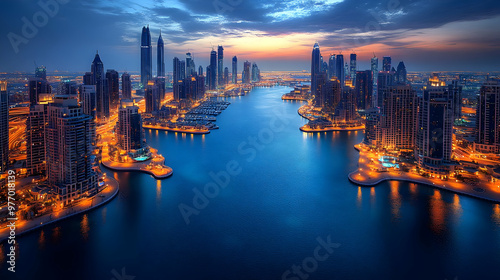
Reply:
x=130 y=134
x=126 y=86
x=41 y=73
x=69 y=149
x=245 y=77
x=488 y=118
x=220 y=64
x=102 y=96
x=374 y=68
x=433 y=145
x=153 y=96
x=401 y=73
x=315 y=68
x=4 y=127
x=35 y=139
x=363 y=87
x=339 y=69
x=213 y=70
x=353 y=67
x=386 y=63
x=160 y=57
x=235 y=70
x=331 y=67
x=113 y=88
x=146 y=56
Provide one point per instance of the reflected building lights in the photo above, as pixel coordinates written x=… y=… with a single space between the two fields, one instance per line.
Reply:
x=437 y=212
x=496 y=214
x=85 y=228
x=359 y=198
x=395 y=199
x=41 y=240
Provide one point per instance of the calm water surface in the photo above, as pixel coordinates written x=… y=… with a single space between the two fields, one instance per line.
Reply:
x=292 y=189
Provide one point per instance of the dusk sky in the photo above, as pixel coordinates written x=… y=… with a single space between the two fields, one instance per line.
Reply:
x=428 y=35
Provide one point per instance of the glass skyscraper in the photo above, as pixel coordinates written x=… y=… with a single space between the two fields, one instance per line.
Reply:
x=146 y=56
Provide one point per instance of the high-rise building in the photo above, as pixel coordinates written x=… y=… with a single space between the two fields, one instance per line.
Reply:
x=69 y=149
x=36 y=88
x=399 y=117
x=331 y=67
x=126 y=86
x=35 y=139
x=41 y=73
x=433 y=145
x=146 y=57
x=88 y=99
x=353 y=67
x=255 y=73
x=245 y=76
x=234 y=77
x=153 y=95
x=226 y=75
x=315 y=68
x=102 y=94
x=113 y=88
x=87 y=79
x=67 y=87
x=456 y=90
x=212 y=84
x=488 y=118
x=363 y=89
x=182 y=68
x=160 y=57
x=339 y=69
x=190 y=67
x=401 y=73
x=220 y=64
x=330 y=92
x=384 y=80
x=374 y=68
x=200 y=71
x=4 y=127
x=386 y=63
x=130 y=134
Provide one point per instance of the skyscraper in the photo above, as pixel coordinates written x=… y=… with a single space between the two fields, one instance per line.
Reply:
x=36 y=88
x=235 y=70
x=255 y=73
x=212 y=84
x=353 y=67
x=386 y=63
x=245 y=76
x=126 y=86
x=384 y=80
x=331 y=67
x=113 y=88
x=329 y=94
x=401 y=73
x=433 y=145
x=160 y=57
x=374 y=68
x=102 y=94
x=4 y=127
x=399 y=117
x=457 y=99
x=182 y=69
x=130 y=134
x=339 y=69
x=315 y=68
x=220 y=64
x=200 y=71
x=190 y=66
x=69 y=150
x=146 y=57
x=153 y=96
x=488 y=118
x=363 y=89
x=226 y=75
x=41 y=73
x=88 y=99
x=35 y=139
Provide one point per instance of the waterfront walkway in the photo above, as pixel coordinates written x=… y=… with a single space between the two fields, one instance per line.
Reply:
x=179 y=130
x=154 y=166
x=365 y=176
x=103 y=197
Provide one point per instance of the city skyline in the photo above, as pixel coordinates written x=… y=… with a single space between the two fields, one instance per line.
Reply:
x=388 y=29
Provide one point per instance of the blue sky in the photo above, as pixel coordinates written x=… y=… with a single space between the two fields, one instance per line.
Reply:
x=278 y=35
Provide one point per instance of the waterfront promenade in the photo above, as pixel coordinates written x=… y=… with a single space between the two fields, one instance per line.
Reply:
x=84 y=205
x=309 y=129
x=154 y=166
x=179 y=130
x=365 y=176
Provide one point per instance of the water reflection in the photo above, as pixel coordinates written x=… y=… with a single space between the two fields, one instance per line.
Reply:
x=437 y=212
x=104 y=211
x=413 y=190
x=456 y=207
x=56 y=234
x=41 y=240
x=360 y=198
x=496 y=214
x=85 y=228
x=395 y=199
x=372 y=195
x=158 y=191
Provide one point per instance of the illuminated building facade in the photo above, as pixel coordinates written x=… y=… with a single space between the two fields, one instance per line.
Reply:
x=126 y=86
x=4 y=127
x=130 y=134
x=488 y=118
x=35 y=139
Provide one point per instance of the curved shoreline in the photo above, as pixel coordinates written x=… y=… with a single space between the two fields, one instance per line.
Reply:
x=39 y=221
x=137 y=169
x=179 y=130
x=309 y=130
x=459 y=188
